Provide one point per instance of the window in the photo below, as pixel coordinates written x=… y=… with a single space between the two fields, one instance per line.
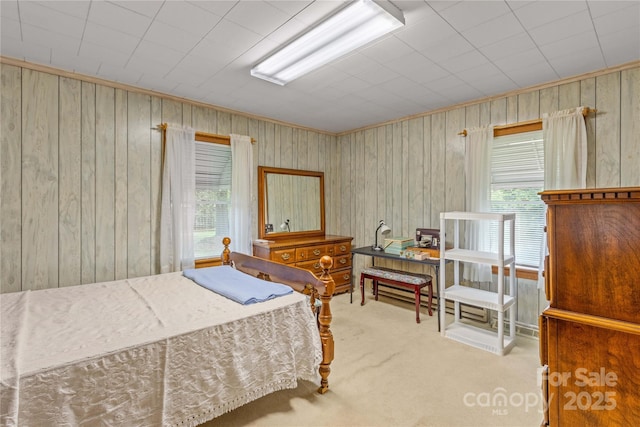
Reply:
x=213 y=198
x=517 y=176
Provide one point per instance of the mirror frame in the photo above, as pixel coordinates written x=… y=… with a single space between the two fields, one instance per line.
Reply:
x=263 y=171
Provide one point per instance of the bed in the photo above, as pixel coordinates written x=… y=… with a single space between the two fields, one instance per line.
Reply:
x=160 y=350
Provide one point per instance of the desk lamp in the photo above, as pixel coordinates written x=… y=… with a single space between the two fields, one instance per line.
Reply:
x=285 y=225
x=383 y=230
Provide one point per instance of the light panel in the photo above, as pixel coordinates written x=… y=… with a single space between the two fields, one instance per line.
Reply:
x=350 y=28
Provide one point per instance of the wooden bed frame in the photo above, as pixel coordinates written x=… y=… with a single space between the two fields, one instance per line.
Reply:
x=303 y=281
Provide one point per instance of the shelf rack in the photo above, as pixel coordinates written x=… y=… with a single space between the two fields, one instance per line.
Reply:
x=503 y=301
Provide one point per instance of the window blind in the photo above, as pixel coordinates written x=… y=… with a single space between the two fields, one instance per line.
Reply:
x=517 y=176
x=213 y=197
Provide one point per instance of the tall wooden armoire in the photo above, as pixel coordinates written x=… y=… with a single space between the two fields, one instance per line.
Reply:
x=590 y=333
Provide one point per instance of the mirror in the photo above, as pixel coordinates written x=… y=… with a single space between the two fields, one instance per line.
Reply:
x=290 y=203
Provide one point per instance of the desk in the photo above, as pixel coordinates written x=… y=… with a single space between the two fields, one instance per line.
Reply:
x=368 y=251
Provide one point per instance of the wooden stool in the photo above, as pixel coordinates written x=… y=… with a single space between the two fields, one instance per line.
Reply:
x=400 y=278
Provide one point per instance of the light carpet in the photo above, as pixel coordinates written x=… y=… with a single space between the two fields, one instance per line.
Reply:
x=390 y=371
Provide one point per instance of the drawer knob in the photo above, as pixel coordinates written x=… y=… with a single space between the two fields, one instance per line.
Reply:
x=316 y=265
x=285 y=256
x=343 y=261
x=343 y=248
x=316 y=252
x=346 y=276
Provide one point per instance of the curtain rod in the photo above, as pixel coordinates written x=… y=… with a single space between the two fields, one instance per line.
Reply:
x=210 y=136
x=585 y=112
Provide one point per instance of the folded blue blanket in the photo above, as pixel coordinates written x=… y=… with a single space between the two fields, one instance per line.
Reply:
x=236 y=285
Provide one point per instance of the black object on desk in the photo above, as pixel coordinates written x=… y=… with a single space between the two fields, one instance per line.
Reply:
x=435 y=263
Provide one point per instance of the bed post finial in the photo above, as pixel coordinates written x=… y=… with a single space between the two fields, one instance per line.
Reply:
x=324 y=319
x=226 y=259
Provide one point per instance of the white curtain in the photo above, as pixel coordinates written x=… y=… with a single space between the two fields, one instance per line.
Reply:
x=241 y=193
x=565 y=158
x=565 y=149
x=478 y=192
x=177 y=214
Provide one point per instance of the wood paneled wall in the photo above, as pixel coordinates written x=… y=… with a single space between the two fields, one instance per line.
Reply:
x=81 y=168
x=81 y=175
x=409 y=171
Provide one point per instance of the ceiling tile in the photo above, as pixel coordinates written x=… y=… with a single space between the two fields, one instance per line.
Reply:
x=9 y=9
x=468 y=14
x=452 y=47
x=618 y=20
x=621 y=47
x=570 y=45
x=538 y=13
x=389 y=48
x=51 y=20
x=533 y=74
x=259 y=17
x=463 y=62
x=602 y=8
x=505 y=48
x=562 y=28
x=500 y=28
x=71 y=8
x=186 y=16
x=171 y=37
x=573 y=63
x=97 y=52
x=431 y=31
x=118 y=41
x=148 y=8
x=119 y=18
x=519 y=60
x=54 y=40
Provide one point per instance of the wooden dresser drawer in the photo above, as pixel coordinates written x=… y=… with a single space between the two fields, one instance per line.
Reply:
x=313 y=265
x=342 y=261
x=342 y=249
x=285 y=256
x=342 y=278
x=313 y=252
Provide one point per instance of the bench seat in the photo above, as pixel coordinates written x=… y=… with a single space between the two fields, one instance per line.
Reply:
x=415 y=281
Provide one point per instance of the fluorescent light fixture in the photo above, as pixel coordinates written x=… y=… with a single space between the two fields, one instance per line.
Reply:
x=350 y=28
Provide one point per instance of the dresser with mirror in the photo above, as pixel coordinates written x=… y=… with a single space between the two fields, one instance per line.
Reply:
x=291 y=224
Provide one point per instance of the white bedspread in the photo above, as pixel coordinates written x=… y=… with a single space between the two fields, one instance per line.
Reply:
x=150 y=351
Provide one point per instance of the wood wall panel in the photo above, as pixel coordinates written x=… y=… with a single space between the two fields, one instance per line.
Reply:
x=549 y=100
x=569 y=95
x=630 y=127
x=88 y=183
x=69 y=184
x=172 y=112
x=588 y=98
x=156 y=183
x=415 y=171
x=39 y=193
x=139 y=185
x=10 y=178
x=426 y=173
x=105 y=184
x=608 y=130
x=438 y=171
x=528 y=106
x=121 y=168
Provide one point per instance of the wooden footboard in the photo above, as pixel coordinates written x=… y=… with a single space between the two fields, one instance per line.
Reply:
x=303 y=281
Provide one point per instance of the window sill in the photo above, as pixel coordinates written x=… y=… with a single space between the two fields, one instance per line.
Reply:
x=521 y=272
